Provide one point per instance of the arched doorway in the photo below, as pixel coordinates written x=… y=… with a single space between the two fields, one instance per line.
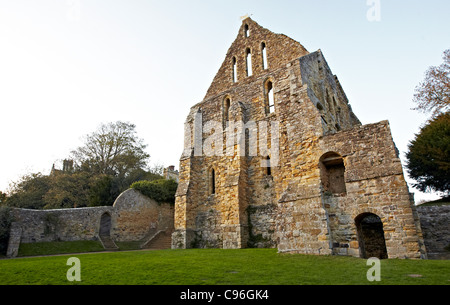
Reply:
x=371 y=236
x=105 y=225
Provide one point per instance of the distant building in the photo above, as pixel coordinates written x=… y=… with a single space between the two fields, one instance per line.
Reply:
x=171 y=173
x=67 y=168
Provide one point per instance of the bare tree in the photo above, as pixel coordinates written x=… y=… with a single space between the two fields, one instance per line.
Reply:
x=433 y=94
x=114 y=149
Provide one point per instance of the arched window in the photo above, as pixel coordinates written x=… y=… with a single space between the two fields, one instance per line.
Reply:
x=332 y=173
x=269 y=96
x=226 y=111
x=248 y=56
x=212 y=182
x=264 y=55
x=319 y=107
x=268 y=167
x=234 y=76
x=246 y=31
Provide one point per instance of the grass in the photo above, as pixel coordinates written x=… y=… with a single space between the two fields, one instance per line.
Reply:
x=62 y=247
x=218 y=267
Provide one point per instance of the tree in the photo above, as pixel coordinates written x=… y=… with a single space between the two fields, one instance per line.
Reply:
x=103 y=191
x=428 y=156
x=114 y=149
x=433 y=94
x=67 y=190
x=29 y=191
x=111 y=159
x=3 y=198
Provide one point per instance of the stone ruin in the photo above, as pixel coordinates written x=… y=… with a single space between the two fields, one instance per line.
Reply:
x=275 y=157
x=133 y=218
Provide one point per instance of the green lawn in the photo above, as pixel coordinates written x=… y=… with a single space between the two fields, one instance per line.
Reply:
x=218 y=267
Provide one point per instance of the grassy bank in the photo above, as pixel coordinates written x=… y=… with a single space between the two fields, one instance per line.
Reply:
x=219 y=267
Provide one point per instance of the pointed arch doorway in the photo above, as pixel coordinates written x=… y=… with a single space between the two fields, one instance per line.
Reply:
x=105 y=225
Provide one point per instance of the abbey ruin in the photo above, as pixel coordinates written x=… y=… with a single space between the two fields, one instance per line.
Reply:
x=275 y=157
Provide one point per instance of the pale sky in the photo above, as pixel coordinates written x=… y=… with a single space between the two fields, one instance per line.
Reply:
x=66 y=66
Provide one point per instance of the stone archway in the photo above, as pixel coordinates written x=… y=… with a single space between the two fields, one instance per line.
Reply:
x=105 y=225
x=370 y=236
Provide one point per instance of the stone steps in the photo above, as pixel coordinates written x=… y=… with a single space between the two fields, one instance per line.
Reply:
x=108 y=243
x=161 y=240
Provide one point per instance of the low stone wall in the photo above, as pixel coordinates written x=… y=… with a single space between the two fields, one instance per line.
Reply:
x=435 y=223
x=133 y=217
x=60 y=224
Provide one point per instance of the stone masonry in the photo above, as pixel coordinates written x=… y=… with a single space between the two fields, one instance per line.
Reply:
x=275 y=157
x=435 y=224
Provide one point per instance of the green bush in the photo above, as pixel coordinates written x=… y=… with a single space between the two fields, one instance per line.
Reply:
x=161 y=190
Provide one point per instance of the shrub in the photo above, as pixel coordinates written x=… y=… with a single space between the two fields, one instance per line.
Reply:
x=161 y=190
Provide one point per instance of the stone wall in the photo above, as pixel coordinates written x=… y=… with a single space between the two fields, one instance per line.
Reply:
x=318 y=221
x=436 y=229
x=59 y=224
x=136 y=216
x=133 y=217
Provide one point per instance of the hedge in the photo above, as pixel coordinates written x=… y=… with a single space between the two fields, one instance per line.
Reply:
x=161 y=190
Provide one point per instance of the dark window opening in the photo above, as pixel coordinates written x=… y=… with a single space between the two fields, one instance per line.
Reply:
x=213 y=182
x=246 y=31
x=333 y=173
x=268 y=167
x=319 y=106
x=227 y=109
x=226 y=112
